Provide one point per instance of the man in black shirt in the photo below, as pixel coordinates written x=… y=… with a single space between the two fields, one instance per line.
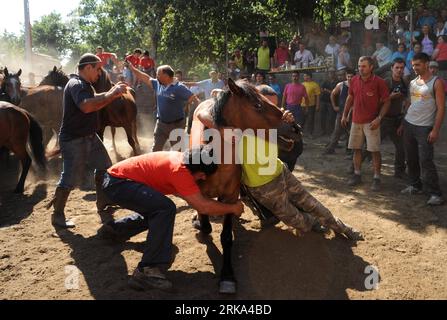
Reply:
x=393 y=119
x=80 y=146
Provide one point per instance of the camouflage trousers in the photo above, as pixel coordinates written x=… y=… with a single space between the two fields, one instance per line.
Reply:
x=286 y=198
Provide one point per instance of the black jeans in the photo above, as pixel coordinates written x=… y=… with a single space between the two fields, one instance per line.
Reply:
x=153 y=211
x=309 y=118
x=389 y=128
x=291 y=157
x=420 y=154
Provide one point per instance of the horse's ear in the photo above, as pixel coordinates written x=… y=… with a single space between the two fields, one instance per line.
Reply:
x=19 y=73
x=55 y=69
x=234 y=88
x=6 y=72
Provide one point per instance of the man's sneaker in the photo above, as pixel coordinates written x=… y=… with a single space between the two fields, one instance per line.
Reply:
x=149 y=278
x=435 y=200
x=411 y=190
x=355 y=180
x=375 y=185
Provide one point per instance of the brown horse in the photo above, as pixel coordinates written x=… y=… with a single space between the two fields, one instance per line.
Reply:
x=242 y=107
x=16 y=126
x=120 y=113
x=43 y=102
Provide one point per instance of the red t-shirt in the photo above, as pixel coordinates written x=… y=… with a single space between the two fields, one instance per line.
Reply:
x=105 y=56
x=161 y=171
x=442 y=55
x=133 y=60
x=147 y=63
x=368 y=96
x=282 y=55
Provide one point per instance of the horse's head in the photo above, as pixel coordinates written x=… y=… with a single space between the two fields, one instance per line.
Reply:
x=11 y=86
x=103 y=84
x=55 y=77
x=243 y=107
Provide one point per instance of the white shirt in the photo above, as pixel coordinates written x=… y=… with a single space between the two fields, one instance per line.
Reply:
x=304 y=57
x=208 y=86
x=332 y=50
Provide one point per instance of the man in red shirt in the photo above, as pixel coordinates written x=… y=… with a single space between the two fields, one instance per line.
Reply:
x=141 y=184
x=282 y=54
x=105 y=58
x=369 y=97
x=134 y=60
x=147 y=64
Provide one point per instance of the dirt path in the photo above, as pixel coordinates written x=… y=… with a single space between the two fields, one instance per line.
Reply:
x=405 y=240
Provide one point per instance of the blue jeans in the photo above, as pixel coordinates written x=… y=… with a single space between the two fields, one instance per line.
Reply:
x=78 y=154
x=153 y=211
x=297 y=112
x=420 y=154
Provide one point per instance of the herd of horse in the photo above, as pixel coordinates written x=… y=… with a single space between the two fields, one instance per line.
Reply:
x=35 y=114
x=241 y=107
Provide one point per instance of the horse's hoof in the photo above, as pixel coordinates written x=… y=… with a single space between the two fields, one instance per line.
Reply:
x=227 y=287
x=19 y=191
x=205 y=229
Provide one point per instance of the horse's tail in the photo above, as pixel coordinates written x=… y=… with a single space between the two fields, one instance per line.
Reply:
x=36 y=142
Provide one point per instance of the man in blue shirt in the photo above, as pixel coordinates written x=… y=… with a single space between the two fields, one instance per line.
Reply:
x=172 y=97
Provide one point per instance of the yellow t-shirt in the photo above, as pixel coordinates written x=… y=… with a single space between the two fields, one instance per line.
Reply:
x=264 y=58
x=312 y=89
x=260 y=162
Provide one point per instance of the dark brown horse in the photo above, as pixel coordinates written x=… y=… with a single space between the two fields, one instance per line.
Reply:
x=120 y=113
x=16 y=126
x=242 y=107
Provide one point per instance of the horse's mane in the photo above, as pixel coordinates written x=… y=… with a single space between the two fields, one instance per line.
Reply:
x=104 y=83
x=55 y=77
x=249 y=92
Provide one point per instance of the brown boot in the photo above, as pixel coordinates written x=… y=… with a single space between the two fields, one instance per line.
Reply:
x=58 y=203
x=102 y=201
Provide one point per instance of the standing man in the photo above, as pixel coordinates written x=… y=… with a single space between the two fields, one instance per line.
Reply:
x=263 y=61
x=141 y=184
x=208 y=85
x=421 y=128
x=134 y=60
x=172 y=97
x=294 y=94
x=281 y=55
x=311 y=105
x=327 y=112
x=79 y=142
x=369 y=98
x=338 y=99
x=303 y=56
x=105 y=59
x=147 y=64
x=393 y=119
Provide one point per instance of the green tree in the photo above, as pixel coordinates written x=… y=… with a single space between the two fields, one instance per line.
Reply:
x=51 y=35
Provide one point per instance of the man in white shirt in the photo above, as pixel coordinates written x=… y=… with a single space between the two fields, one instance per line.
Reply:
x=303 y=56
x=208 y=85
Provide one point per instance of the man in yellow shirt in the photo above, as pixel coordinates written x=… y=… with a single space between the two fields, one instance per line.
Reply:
x=263 y=61
x=272 y=184
x=313 y=92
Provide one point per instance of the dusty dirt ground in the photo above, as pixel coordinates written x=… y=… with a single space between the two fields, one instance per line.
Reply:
x=405 y=240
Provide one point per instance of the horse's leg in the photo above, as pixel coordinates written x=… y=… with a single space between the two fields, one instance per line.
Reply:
x=227 y=284
x=20 y=152
x=202 y=223
x=135 y=136
x=130 y=139
x=47 y=135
